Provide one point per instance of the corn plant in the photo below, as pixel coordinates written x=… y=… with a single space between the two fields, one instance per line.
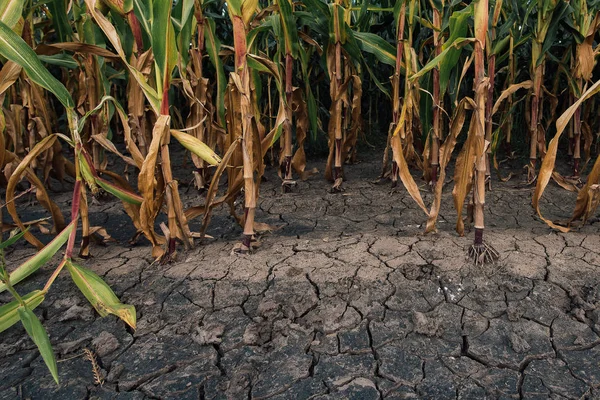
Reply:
x=230 y=81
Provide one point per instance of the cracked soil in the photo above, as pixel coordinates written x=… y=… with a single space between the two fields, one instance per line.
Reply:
x=347 y=299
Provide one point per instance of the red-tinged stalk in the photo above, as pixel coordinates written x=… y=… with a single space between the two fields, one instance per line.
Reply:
x=136 y=29
x=435 y=138
x=337 y=82
x=74 y=215
x=250 y=186
x=286 y=166
x=198 y=111
x=396 y=88
x=577 y=133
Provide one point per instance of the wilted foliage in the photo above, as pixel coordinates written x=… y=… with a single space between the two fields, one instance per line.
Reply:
x=230 y=81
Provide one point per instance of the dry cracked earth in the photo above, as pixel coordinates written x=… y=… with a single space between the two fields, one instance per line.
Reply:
x=346 y=300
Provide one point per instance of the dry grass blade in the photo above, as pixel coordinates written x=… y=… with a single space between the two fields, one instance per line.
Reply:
x=108 y=145
x=91 y=357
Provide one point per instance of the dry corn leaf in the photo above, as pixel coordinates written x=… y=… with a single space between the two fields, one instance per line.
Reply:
x=549 y=161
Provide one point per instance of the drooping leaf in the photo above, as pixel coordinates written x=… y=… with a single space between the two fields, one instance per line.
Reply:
x=38 y=334
x=40 y=258
x=13 y=239
x=9 y=314
x=550 y=159
x=15 y=49
x=376 y=45
x=196 y=146
x=100 y=295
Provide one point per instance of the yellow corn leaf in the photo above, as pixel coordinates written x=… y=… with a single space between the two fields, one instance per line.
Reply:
x=100 y=295
x=405 y=176
x=196 y=146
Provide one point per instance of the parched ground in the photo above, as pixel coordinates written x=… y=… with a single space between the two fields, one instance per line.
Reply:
x=348 y=299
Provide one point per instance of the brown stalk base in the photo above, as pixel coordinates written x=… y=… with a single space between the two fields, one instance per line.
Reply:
x=287 y=185
x=531 y=174
x=84 y=251
x=248 y=244
x=337 y=185
x=286 y=173
x=171 y=253
x=434 y=176
x=576 y=168
x=480 y=252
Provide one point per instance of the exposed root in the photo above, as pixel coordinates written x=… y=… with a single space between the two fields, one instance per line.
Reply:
x=248 y=245
x=482 y=254
x=531 y=174
x=337 y=186
x=170 y=255
x=167 y=258
x=287 y=185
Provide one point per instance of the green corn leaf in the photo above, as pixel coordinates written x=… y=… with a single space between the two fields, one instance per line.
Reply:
x=235 y=7
x=213 y=47
x=144 y=14
x=458 y=28
x=60 y=20
x=10 y=11
x=182 y=13
x=40 y=258
x=183 y=21
x=15 y=49
x=9 y=314
x=196 y=146
x=100 y=295
x=163 y=43
x=376 y=45
x=119 y=192
x=13 y=239
x=38 y=334
x=458 y=43
x=288 y=23
x=60 y=60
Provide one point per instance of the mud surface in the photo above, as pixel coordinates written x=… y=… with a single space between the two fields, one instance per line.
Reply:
x=347 y=300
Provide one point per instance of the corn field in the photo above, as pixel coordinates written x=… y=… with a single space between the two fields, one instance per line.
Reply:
x=449 y=83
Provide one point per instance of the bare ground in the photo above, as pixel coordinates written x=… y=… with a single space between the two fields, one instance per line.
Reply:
x=348 y=299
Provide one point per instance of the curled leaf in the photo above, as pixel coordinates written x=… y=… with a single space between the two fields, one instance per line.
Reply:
x=100 y=295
